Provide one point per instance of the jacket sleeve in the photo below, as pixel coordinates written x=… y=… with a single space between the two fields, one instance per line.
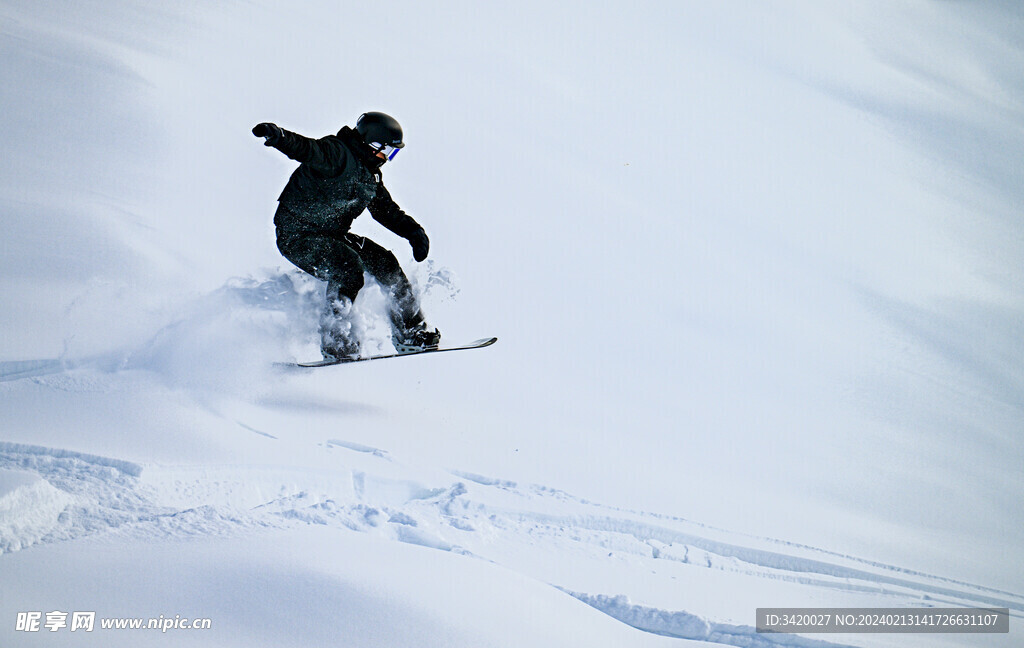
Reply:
x=327 y=155
x=386 y=212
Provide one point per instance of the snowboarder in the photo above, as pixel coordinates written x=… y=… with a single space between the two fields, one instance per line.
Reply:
x=338 y=177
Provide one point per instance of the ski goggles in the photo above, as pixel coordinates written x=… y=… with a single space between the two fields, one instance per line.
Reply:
x=389 y=151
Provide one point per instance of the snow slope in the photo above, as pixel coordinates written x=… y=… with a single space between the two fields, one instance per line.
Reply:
x=292 y=520
x=754 y=271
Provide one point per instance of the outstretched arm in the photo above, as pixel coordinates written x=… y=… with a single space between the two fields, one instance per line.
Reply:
x=386 y=212
x=324 y=155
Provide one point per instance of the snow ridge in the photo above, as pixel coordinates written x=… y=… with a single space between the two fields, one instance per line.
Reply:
x=14 y=449
x=683 y=625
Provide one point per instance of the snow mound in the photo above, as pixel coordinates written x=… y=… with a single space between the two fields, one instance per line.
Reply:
x=30 y=508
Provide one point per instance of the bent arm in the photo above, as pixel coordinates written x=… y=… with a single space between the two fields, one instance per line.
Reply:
x=386 y=212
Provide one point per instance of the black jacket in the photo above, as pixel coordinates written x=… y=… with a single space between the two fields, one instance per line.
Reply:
x=338 y=178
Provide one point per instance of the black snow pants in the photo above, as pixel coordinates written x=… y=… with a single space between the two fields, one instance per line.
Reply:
x=341 y=260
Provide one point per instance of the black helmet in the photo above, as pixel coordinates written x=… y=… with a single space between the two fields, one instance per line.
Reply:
x=380 y=128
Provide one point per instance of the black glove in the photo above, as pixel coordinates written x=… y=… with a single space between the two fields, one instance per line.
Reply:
x=420 y=244
x=268 y=131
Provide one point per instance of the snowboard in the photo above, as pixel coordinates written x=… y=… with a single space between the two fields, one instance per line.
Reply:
x=479 y=344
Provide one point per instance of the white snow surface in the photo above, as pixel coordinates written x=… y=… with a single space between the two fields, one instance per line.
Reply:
x=754 y=269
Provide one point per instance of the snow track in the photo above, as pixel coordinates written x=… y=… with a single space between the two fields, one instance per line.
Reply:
x=588 y=551
x=689 y=626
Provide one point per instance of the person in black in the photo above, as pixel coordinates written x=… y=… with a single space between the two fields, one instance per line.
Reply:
x=339 y=177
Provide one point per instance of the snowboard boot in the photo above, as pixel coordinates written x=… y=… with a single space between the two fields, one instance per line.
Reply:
x=418 y=340
x=337 y=348
x=338 y=340
x=338 y=355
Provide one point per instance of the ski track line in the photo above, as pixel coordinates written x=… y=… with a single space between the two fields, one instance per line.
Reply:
x=357 y=447
x=759 y=557
x=18 y=369
x=806 y=549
